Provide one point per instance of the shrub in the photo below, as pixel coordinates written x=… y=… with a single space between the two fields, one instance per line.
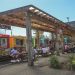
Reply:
x=54 y=63
x=71 y=62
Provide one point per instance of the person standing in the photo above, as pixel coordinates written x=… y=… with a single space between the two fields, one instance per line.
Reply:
x=34 y=53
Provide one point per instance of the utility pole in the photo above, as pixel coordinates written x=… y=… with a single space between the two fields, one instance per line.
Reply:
x=29 y=39
x=68 y=20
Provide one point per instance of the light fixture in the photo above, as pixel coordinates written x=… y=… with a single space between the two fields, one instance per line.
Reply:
x=44 y=14
x=31 y=8
x=36 y=11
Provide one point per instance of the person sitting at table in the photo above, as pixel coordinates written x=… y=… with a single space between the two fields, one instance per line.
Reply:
x=44 y=51
x=14 y=55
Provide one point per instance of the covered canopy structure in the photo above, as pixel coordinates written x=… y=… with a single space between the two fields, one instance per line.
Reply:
x=31 y=16
x=39 y=19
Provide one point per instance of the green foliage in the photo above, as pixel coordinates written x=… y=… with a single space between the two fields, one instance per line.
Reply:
x=71 y=57
x=72 y=62
x=54 y=63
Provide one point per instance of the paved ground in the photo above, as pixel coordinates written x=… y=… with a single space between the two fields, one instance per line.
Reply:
x=41 y=68
x=23 y=69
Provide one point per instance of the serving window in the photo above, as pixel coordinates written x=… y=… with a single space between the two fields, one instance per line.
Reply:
x=19 y=42
x=3 y=42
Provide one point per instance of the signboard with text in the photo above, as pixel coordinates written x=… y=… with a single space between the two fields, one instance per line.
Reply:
x=4 y=26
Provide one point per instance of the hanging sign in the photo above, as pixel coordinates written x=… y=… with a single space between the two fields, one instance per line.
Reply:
x=4 y=26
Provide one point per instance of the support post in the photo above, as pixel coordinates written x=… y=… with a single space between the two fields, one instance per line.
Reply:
x=53 y=38
x=62 y=42
x=29 y=39
x=59 y=41
x=57 y=44
x=38 y=42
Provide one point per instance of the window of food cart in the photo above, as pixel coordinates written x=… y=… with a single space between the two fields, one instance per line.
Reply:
x=45 y=38
x=19 y=42
x=3 y=42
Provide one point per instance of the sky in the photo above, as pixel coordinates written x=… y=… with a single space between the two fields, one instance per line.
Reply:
x=60 y=9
